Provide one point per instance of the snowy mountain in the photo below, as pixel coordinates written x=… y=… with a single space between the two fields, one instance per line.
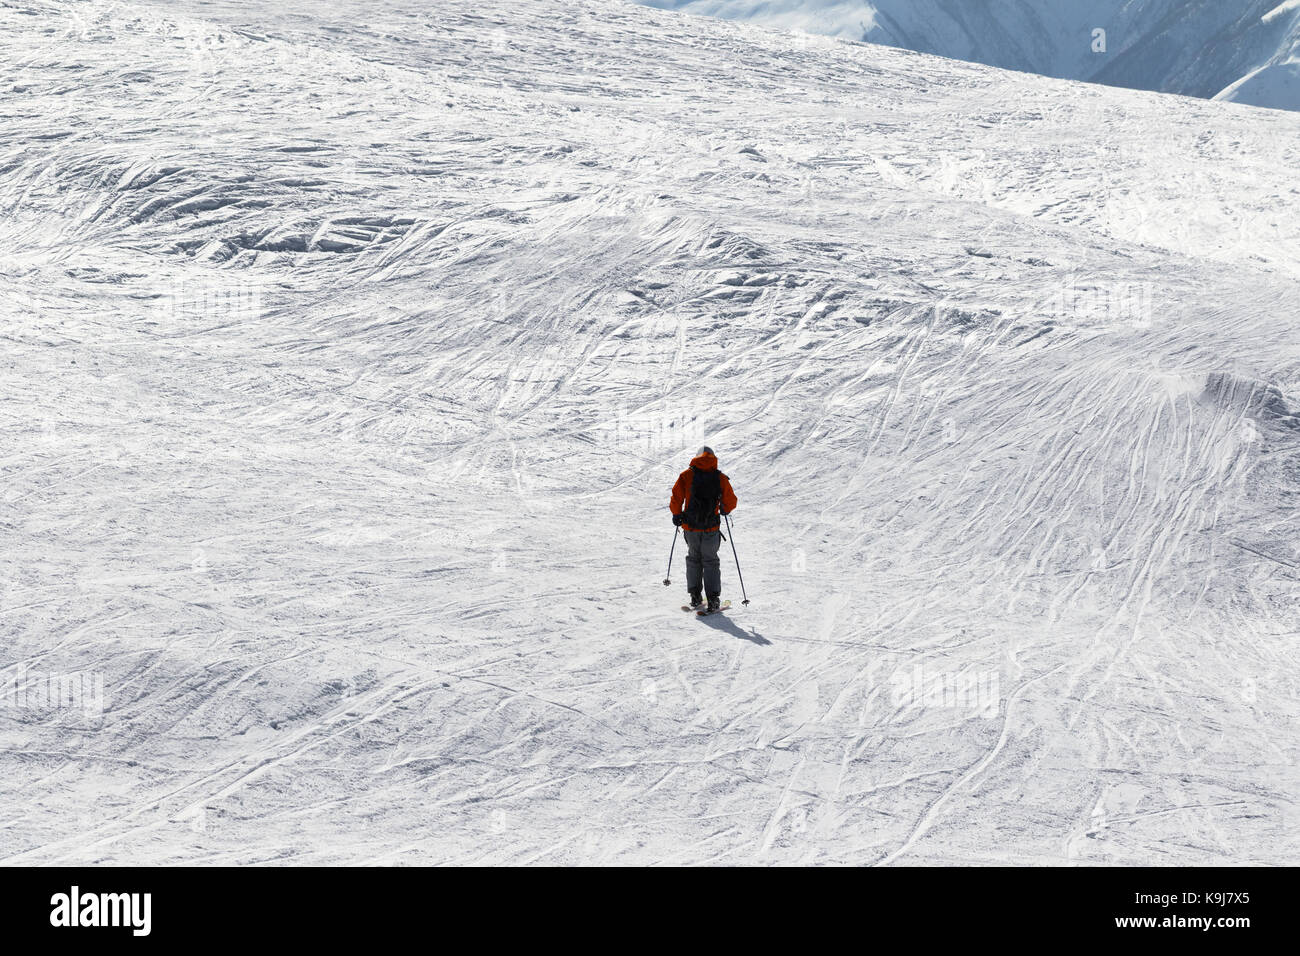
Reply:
x=1244 y=50
x=348 y=361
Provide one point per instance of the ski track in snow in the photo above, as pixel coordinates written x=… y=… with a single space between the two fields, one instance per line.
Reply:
x=348 y=361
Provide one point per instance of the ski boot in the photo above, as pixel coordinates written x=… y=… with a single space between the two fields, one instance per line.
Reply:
x=697 y=600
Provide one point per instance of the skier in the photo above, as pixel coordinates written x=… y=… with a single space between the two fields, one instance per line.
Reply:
x=700 y=494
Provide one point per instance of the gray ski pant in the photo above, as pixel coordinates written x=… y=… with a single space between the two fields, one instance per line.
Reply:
x=702 y=565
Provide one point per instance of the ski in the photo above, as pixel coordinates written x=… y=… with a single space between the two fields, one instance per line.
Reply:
x=703 y=609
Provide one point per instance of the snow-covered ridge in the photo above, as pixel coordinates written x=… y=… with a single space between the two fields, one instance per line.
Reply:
x=1202 y=48
x=348 y=360
x=1281 y=10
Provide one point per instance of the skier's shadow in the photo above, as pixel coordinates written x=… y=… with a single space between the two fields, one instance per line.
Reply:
x=720 y=622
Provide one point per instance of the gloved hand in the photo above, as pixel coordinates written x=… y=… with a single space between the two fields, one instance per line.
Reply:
x=677 y=520
x=724 y=512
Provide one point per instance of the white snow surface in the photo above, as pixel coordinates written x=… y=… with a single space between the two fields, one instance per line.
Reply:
x=350 y=352
x=1191 y=47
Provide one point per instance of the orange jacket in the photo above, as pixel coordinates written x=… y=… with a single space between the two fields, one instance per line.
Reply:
x=682 y=490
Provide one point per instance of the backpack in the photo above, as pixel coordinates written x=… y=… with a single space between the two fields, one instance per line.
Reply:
x=706 y=493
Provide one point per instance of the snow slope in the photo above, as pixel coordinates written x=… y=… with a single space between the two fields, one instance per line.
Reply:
x=348 y=362
x=1276 y=86
x=1193 y=47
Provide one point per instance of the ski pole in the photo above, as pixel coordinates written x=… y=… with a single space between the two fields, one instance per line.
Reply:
x=731 y=535
x=669 y=572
